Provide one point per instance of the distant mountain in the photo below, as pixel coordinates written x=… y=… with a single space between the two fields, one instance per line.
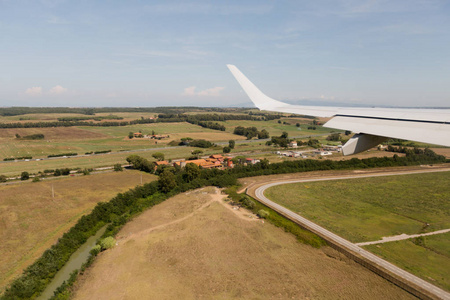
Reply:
x=311 y=102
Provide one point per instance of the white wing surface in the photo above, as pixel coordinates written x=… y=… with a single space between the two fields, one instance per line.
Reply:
x=373 y=125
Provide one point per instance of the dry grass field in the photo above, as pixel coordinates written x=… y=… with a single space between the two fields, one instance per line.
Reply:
x=31 y=220
x=193 y=247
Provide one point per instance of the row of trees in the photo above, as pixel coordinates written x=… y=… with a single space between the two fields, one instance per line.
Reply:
x=15 y=111
x=215 y=117
x=74 y=123
x=95 y=118
x=204 y=120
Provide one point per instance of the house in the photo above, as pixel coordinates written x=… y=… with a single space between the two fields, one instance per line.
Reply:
x=160 y=163
x=137 y=134
x=208 y=163
x=293 y=144
x=252 y=161
x=217 y=157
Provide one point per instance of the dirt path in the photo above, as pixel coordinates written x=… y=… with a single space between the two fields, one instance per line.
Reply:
x=210 y=252
x=400 y=237
x=217 y=196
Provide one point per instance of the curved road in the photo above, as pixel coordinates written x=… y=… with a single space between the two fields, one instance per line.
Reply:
x=434 y=290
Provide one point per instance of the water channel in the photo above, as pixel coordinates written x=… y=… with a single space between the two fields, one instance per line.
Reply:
x=76 y=260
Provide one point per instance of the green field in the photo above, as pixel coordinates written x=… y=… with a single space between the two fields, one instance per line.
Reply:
x=430 y=260
x=370 y=208
x=367 y=209
x=276 y=129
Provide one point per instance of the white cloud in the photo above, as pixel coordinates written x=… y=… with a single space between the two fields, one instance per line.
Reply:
x=189 y=91
x=57 y=90
x=34 y=91
x=212 y=92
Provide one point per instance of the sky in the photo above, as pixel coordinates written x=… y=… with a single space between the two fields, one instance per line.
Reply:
x=88 y=53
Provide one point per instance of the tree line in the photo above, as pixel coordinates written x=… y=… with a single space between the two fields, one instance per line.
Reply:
x=95 y=118
x=204 y=120
x=15 y=111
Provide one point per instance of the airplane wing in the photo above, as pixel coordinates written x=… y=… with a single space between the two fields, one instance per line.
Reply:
x=372 y=125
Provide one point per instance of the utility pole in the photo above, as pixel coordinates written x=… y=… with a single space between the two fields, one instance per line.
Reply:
x=53 y=192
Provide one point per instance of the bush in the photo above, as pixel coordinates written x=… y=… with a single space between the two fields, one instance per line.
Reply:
x=263 y=213
x=247 y=202
x=3 y=178
x=118 y=167
x=38 y=136
x=24 y=176
x=200 y=144
x=95 y=250
x=107 y=243
x=36 y=179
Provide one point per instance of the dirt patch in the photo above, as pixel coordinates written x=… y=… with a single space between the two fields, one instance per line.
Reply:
x=442 y=151
x=213 y=254
x=58 y=133
x=31 y=220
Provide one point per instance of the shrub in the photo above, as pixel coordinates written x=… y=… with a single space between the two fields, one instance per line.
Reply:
x=263 y=213
x=36 y=179
x=107 y=243
x=95 y=250
x=24 y=176
x=250 y=204
x=118 y=167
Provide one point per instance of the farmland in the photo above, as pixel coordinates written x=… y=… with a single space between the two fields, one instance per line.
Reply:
x=31 y=220
x=84 y=139
x=277 y=129
x=192 y=246
x=428 y=257
x=371 y=208
x=367 y=209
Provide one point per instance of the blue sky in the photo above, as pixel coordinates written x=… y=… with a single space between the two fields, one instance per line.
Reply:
x=161 y=53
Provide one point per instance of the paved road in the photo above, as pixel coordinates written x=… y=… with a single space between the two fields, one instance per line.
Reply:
x=438 y=292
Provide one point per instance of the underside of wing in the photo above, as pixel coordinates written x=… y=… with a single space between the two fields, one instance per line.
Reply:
x=372 y=125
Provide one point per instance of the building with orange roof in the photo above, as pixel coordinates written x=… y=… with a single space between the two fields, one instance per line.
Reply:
x=160 y=163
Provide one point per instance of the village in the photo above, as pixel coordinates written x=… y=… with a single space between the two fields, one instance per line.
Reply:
x=214 y=161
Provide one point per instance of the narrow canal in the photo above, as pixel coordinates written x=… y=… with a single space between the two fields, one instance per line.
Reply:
x=75 y=262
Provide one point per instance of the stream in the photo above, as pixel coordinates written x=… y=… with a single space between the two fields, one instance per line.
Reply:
x=77 y=259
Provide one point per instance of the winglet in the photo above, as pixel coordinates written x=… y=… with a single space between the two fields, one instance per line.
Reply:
x=261 y=101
